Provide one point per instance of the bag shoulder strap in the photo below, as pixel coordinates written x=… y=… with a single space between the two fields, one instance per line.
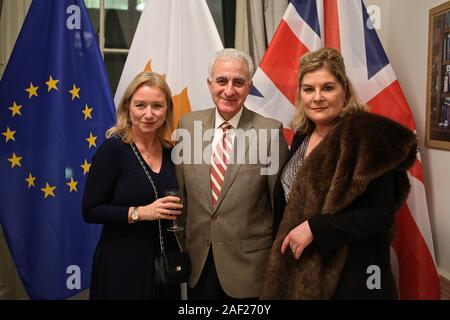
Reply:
x=161 y=239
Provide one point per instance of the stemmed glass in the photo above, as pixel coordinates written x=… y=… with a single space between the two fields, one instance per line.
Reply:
x=174 y=193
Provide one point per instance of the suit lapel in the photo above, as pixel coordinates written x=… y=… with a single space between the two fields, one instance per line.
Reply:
x=245 y=123
x=204 y=168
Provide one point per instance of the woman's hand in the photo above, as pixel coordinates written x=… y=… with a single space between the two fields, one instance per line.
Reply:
x=298 y=239
x=167 y=208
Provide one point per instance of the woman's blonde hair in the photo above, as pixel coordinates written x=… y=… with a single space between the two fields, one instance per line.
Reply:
x=331 y=60
x=123 y=124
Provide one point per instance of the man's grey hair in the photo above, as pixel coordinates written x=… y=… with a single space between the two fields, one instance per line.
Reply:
x=231 y=53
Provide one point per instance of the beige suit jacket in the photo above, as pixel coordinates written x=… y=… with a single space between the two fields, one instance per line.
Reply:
x=239 y=227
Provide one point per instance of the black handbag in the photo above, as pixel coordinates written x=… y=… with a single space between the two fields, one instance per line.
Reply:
x=173 y=267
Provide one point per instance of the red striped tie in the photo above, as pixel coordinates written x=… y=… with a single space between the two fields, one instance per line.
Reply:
x=219 y=163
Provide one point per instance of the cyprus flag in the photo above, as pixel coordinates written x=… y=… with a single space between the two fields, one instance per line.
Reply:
x=176 y=38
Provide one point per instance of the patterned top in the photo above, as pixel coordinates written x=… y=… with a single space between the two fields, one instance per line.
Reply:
x=291 y=168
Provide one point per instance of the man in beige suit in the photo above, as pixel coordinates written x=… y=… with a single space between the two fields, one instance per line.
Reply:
x=228 y=160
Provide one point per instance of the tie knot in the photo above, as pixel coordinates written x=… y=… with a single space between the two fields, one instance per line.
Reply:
x=226 y=126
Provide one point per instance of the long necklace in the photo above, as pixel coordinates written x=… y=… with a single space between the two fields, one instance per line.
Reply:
x=144 y=152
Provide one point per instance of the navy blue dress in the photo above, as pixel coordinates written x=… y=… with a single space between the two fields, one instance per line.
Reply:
x=123 y=266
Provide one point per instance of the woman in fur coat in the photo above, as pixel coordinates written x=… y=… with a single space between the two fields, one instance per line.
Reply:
x=340 y=190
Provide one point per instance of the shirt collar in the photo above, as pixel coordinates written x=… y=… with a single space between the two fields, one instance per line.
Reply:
x=233 y=121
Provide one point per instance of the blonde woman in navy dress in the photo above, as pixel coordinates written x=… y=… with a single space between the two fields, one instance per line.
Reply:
x=119 y=195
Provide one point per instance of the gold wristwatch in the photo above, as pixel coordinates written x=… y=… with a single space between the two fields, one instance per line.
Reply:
x=135 y=215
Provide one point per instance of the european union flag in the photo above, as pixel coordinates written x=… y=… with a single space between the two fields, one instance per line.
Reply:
x=55 y=106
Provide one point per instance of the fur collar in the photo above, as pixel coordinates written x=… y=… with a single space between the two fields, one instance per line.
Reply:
x=360 y=147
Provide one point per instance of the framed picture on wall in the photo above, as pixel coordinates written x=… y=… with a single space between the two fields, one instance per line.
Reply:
x=438 y=82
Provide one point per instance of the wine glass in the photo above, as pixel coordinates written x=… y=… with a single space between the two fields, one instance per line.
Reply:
x=175 y=193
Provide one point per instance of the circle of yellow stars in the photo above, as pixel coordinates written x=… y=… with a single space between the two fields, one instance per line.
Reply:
x=9 y=136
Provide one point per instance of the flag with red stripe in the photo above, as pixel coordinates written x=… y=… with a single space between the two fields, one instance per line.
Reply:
x=346 y=26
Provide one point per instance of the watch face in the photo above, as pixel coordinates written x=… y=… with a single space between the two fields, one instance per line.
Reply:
x=135 y=214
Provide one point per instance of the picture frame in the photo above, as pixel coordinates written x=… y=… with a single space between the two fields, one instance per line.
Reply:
x=438 y=78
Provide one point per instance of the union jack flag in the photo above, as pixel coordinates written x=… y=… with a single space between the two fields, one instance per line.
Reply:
x=308 y=25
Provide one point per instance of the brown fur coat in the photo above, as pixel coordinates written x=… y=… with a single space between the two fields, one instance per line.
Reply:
x=360 y=147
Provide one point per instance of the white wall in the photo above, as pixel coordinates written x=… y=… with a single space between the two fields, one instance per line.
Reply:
x=404 y=35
